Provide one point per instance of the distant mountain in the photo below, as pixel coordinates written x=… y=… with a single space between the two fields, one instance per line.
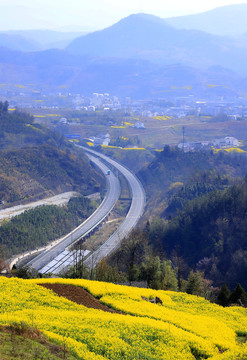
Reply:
x=140 y=56
x=133 y=33
x=123 y=77
x=17 y=42
x=226 y=21
x=77 y=29
x=41 y=39
x=149 y=37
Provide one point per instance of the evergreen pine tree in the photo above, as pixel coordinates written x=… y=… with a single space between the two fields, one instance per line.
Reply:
x=238 y=296
x=195 y=283
x=223 y=296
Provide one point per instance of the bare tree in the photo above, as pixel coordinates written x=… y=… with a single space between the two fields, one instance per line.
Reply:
x=4 y=267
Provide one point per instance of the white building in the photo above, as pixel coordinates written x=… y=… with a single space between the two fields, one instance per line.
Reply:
x=63 y=121
x=227 y=141
x=139 y=125
x=231 y=141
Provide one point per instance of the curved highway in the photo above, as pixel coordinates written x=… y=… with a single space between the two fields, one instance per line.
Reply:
x=132 y=218
x=95 y=219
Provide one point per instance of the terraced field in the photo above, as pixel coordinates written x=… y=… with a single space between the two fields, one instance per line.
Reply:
x=148 y=324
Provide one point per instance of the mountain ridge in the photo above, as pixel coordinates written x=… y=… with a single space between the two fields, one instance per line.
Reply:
x=140 y=56
x=137 y=78
x=227 y=20
x=148 y=37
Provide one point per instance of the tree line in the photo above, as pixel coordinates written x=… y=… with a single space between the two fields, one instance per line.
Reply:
x=39 y=226
x=136 y=261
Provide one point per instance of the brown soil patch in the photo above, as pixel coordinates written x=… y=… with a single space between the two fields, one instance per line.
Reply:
x=78 y=295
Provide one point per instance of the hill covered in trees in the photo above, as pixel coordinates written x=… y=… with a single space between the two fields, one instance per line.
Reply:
x=172 y=168
x=198 y=237
x=201 y=201
x=38 y=171
x=17 y=130
x=36 y=162
x=37 y=227
x=210 y=234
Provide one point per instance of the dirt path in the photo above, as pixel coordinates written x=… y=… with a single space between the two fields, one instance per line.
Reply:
x=59 y=200
x=78 y=295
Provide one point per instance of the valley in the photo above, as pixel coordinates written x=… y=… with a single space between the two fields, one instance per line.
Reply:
x=123 y=181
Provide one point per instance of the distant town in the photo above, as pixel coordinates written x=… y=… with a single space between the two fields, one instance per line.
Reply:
x=178 y=106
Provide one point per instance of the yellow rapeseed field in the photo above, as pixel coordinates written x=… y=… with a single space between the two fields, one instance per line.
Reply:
x=237 y=150
x=119 y=147
x=162 y=118
x=118 y=127
x=230 y=150
x=127 y=123
x=34 y=128
x=182 y=327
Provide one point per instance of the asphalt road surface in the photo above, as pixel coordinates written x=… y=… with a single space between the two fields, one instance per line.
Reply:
x=132 y=218
x=99 y=215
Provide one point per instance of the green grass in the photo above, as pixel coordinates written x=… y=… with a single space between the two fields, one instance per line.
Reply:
x=20 y=342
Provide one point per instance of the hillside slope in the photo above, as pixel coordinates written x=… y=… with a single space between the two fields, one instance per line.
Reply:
x=200 y=201
x=181 y=326
x=35 y=162
x=34 y=173
x=17 y=42
x=38 y=227
x=172 y=166
x=41 y=39
x=137 y=78
x=210 y=234
x=26 y=343
x=142 y=36
x=225 y=20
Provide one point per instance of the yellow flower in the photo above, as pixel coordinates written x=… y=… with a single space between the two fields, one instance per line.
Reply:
x=182 y=327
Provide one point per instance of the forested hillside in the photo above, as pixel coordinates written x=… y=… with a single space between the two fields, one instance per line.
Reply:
x=172 y=168
x=36 y=172
x=210 y=234
x=36 y=227
x=197 y=249
x=198 y=236
x=36 y=162
x=17 y=130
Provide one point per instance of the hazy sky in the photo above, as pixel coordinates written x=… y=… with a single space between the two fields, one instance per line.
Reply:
x=69 y=14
